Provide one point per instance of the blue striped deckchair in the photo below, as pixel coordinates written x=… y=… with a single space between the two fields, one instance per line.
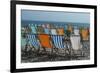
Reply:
x=32 y=39
x=58 y=41
x=60 y=44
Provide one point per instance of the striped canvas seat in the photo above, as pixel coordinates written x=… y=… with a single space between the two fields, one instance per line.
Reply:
x=45 y=40
x=40 y=30
x=60 y=31
x=53 y=32
x=33 y=28
x=47 y=31
x=58 y=41
x=32 y=39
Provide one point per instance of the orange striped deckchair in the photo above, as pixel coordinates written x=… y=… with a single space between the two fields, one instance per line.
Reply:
x=45 y=40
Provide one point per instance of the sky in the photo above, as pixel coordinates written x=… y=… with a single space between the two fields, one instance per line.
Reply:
x=53 y=16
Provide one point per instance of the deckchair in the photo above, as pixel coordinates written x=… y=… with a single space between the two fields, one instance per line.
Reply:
x=45 y=41
x=76 y=49
x=85 y=38
x=33 y=40
x=32 y=37
x=59 y=44
x=57 y=36
x=85 y=41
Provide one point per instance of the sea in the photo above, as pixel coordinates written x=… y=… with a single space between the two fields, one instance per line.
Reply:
x=60 y=24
